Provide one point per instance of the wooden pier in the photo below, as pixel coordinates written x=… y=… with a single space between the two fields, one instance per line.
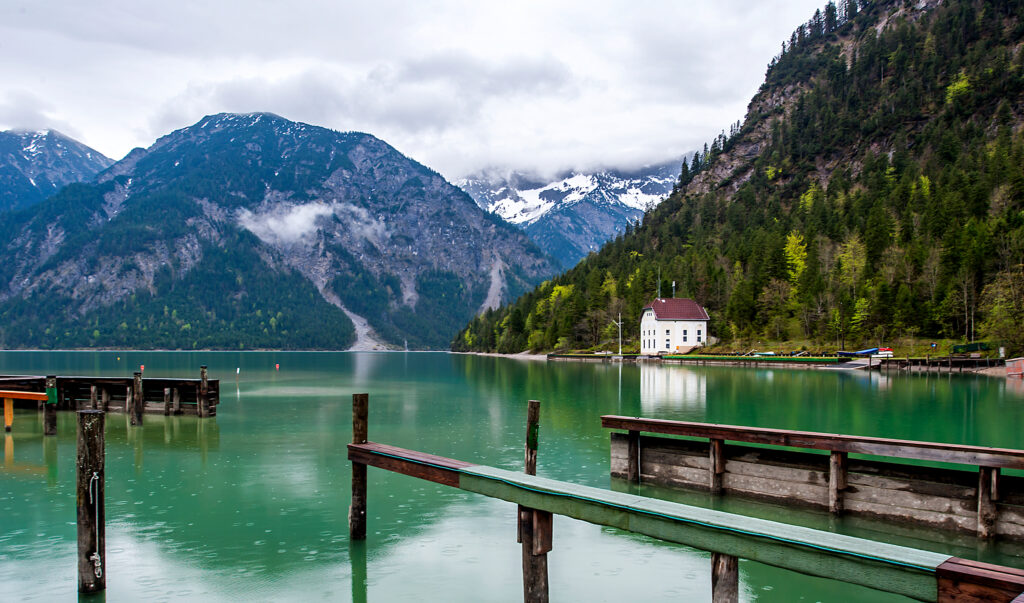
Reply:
x=918 y=574
x=978 y=499
x=136 y=395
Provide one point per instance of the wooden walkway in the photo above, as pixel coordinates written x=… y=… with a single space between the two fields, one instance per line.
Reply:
x=979 y=499
x=921 y=575
x=914 y=573
x=115 y=394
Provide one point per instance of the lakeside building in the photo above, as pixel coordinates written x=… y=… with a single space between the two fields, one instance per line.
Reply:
x=672 y=325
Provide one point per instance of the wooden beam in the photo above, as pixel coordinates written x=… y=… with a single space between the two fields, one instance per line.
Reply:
x=926 y=451
x=19 y=395
x=987 y=511
x=357 y=509
x=633 y=461
x=91 y=516
x=50 y=408
x=716 y=465
x=432 y=468
x=836 y=481
x=725 y=578
x=534 y=526
x=963 y=581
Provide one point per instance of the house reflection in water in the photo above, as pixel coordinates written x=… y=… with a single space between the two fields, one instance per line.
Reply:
x=674 y=388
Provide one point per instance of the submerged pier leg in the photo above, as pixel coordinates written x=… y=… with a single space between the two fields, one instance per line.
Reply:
x=203 y=409
x=725 y=578
x=357 y=511
x=987 y=495
x=50 y=408
x=534 y=525
x=8 y=414
x=633 y=458
x=836 y=481
x=90 y=502
x=716 y=465
x=135 y=402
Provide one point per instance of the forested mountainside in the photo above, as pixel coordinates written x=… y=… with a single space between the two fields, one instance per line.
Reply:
x=35 y=164
x=875 y=189
x=253 y=231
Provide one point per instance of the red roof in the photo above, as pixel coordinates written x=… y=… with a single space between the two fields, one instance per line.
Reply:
x=677 y=308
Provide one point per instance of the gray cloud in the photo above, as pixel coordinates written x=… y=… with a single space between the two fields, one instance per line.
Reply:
x=25 y=110
x=456 y=84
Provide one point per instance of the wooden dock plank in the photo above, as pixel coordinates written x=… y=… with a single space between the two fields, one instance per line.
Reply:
x=925 y=451
x=877 y=565
x=20 y=395
x=430 y=467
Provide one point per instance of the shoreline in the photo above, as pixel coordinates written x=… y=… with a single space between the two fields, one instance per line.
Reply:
x=518 y=356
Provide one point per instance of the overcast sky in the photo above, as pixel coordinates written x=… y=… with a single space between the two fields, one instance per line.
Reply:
x=458 y=86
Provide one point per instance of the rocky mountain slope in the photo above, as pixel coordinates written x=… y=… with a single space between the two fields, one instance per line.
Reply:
x=37 y=164
x=252 y=231
x=575 y=213
x=873 y=192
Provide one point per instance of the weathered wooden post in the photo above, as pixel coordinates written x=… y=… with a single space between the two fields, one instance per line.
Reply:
x=90 y=502
x=50 y=408
x=633 y=457
x=176 y=401
x=534 y=525
x=725 y=578
x=836 y=481
x=8 y=414
x=167 y=401
x=987 y=495
x=357 y=511
x=135 y=402
x=716 y=465
x=204 y=394
x=93 y=398
x=104 y=399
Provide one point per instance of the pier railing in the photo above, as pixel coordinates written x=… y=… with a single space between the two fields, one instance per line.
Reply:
x=914 y=573
x=989 y=461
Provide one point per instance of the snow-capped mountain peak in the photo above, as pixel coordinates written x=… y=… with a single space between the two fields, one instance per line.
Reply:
x=598 y=204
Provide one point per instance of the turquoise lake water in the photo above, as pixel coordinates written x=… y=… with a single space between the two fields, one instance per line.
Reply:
x=253 y=503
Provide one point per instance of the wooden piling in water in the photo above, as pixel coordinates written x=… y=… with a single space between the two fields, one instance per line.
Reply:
x=633 y=464
x=716 y=466
x=725 y=578
x=987 y=512
x=836 y=481
x=50 y=408
x=90 y=502
x=534 y=525
x=93 y=398
x=167 y=401
x=135 y=401
x=203 y=401
x=357 y=510
x=8 y=414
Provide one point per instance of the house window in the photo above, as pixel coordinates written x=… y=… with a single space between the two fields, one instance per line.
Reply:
x=667 y=332
x=666 y=344
x=684 y=335
x=698 y=335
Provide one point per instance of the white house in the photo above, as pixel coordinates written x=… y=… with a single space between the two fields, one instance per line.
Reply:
x=673 y=325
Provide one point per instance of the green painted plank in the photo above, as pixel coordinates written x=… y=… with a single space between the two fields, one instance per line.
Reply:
x=885 y=567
